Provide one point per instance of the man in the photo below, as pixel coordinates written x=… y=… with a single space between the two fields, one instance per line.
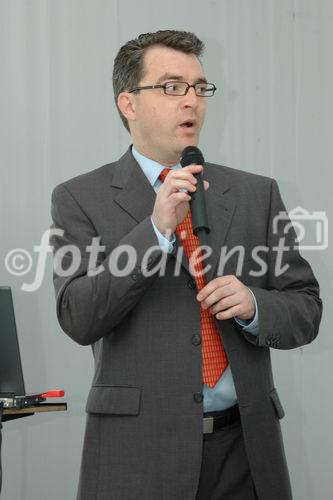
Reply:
x=163 y=422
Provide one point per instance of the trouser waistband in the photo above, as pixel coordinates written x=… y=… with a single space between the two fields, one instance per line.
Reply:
x=215 y=420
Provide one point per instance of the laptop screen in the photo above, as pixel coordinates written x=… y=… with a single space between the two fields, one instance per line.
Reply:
x=11 y=375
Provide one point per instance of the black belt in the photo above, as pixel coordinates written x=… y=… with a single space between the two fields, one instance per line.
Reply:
x=215 y=420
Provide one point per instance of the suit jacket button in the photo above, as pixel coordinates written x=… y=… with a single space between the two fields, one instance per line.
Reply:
x=196 y=339
x=198 y=397
x=191 y=284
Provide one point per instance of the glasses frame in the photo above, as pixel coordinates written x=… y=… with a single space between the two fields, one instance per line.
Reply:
x=150 y=87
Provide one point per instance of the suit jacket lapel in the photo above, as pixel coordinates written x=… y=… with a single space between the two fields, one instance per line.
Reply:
x=134 y=193
x=221 y=208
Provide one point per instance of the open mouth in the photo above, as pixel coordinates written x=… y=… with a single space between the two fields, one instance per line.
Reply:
x=187 y=124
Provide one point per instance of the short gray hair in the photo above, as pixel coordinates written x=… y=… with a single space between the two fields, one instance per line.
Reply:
x=128 y=67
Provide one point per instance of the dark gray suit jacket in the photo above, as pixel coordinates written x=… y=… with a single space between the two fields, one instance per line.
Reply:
x=143 y=436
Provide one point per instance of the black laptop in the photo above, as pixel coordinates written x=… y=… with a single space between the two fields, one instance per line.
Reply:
x=12 y=389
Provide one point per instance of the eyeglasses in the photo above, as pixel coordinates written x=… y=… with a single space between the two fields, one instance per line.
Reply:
x=181 y=88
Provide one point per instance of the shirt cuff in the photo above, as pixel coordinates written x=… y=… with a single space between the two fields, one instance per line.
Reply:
x=165 y=244
x=253 y=325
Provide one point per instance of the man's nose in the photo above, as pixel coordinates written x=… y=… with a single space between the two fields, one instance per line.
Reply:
x=191 y=98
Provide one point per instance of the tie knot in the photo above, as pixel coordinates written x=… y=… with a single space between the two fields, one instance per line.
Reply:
x=163 y=174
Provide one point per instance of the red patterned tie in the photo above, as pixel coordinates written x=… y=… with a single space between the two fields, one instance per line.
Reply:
x=214 y=359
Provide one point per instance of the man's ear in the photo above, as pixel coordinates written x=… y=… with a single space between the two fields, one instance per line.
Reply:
x=126 y=104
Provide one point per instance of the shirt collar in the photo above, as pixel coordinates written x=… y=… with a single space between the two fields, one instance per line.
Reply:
x=150 y=168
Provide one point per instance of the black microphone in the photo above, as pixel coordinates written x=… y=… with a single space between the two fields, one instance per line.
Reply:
x=192 y=155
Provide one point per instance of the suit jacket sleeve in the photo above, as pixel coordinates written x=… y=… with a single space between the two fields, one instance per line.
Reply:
x=289 y=307
x=90 y=305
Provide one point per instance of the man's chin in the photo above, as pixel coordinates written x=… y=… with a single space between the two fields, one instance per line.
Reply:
x=188 y=141
x=183 y=143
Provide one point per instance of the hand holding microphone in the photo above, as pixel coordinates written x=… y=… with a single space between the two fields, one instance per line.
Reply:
x=173 y=202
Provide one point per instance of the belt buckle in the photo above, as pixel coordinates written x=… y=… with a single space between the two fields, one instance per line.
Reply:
x=208 y=425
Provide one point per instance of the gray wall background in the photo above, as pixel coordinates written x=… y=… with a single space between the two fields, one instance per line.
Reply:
x=272 y=63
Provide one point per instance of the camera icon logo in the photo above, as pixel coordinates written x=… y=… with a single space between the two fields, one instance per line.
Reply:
x=311 y=228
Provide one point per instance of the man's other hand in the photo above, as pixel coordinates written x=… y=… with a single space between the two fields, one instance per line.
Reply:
x=227 y=297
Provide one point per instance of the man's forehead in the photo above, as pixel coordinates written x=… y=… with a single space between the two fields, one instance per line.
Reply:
x=164 y=63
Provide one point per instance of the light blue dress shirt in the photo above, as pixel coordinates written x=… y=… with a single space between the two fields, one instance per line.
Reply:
x=223 y=394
